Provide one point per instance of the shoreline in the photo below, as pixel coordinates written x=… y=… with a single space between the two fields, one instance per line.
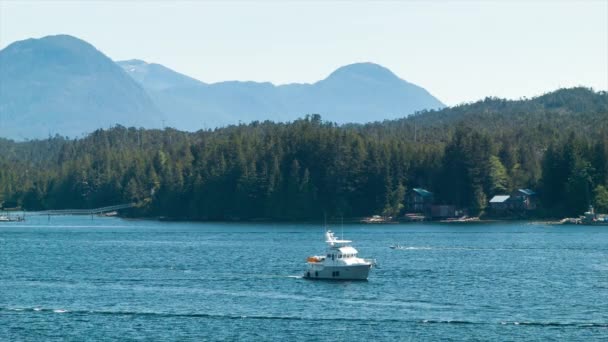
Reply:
x=334 y=221
x=355 y=220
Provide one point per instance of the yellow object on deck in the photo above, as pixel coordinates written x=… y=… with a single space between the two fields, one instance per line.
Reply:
x=313 y=259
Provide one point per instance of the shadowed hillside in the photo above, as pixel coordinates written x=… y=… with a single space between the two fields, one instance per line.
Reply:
x=63 y=85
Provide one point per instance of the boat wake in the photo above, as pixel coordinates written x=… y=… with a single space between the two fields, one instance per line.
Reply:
x=415 y=248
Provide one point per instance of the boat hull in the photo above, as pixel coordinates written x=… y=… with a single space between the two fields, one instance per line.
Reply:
x=354 y=272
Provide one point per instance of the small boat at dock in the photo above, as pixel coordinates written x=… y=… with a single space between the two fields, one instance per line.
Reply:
x=589 y=218
x=7 y=218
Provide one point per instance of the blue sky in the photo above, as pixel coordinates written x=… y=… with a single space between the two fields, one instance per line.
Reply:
x=460 y=51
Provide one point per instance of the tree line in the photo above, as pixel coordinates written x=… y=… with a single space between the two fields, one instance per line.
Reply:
x=555 y=144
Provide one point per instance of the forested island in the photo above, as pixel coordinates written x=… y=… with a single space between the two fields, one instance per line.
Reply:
x=555 y=144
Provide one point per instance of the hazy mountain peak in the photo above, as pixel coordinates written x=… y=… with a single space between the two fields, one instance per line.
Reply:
x=64 y=40
x=363 y=71
x=132 y=62
x=156 y=76
x=46 y=46
x=368 y=68
x=63 y=85
x=65 y=51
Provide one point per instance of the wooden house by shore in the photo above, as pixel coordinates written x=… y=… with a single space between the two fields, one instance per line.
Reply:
x=519 y=201
x=419 y=200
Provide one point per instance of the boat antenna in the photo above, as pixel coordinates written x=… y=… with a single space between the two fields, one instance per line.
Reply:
x=342 y=225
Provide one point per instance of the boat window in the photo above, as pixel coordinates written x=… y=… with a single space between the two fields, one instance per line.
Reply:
x=329 y=255
x=339 y=256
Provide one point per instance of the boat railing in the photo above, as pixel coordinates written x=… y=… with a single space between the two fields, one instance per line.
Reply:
x=371 y=261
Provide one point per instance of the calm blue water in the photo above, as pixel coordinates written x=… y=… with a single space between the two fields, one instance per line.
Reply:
x=79 y=279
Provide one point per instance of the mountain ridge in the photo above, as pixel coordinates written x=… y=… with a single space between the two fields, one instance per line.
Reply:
x=63 y=85
x=358 y=92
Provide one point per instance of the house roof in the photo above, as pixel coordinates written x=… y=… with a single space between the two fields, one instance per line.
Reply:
x=422 y=192
x=527 y=192
x=499 y=199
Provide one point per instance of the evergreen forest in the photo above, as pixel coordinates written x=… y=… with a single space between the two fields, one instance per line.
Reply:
x=555 y=144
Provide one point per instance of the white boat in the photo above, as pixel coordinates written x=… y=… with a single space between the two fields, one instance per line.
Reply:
x=340 y=262
x=5 y=218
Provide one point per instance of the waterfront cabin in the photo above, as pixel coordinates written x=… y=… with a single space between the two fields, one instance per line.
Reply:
x=519 y=202
x=523 y=199
x=500 y=202
x=419 y=200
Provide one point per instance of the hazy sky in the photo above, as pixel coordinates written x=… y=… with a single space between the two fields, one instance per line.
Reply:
x=459 y=51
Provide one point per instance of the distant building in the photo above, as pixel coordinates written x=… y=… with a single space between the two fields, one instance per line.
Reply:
x=519 y=200
x=523 y=199
x=441 y=211
x=500 y=202
x=419 y=200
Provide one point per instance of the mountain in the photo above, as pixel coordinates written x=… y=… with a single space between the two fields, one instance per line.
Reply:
x=156 y=76
x=360 y=92
x=63 y=85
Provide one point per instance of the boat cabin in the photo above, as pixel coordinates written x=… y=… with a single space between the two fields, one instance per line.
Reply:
x=341 y=253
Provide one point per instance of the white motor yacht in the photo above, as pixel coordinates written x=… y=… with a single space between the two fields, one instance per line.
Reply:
x=340 y=262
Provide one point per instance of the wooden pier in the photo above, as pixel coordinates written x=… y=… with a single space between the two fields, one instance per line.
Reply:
x=96 y=211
